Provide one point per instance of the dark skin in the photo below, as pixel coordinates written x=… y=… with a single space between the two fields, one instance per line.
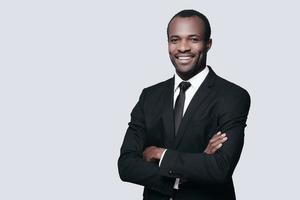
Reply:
x=188 y=46
x=188 y=51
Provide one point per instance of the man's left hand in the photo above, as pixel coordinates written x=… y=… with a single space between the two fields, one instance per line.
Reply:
x=153 y=153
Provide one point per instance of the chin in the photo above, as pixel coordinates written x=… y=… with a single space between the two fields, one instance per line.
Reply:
x=184 y=69
x=184 y=73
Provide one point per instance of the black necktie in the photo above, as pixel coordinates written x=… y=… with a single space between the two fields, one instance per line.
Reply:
x=178 y=110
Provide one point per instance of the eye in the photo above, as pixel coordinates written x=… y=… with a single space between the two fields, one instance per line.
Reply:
x=195 y=40
x=174 y=40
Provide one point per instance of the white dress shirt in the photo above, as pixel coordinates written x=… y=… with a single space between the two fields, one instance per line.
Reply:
x=195 y=81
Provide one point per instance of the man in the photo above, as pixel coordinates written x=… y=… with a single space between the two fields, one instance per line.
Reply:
x=170 y=146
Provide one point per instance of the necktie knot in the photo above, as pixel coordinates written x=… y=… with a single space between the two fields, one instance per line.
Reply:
x=184 y=85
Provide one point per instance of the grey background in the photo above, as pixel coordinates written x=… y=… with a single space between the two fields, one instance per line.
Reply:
x=71 y=71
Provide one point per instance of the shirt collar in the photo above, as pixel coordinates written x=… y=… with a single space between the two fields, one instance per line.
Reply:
x=195 y=81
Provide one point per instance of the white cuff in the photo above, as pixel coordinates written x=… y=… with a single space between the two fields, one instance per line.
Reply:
x=162 y=156
x=176 y=185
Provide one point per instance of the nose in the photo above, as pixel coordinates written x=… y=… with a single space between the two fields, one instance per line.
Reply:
x=183 y=46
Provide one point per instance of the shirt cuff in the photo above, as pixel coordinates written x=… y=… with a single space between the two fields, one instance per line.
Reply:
x=162 y=156
x=176 y=184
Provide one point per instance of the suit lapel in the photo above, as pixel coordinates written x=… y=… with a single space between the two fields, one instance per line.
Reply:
x=167 y=115
x=203 y=92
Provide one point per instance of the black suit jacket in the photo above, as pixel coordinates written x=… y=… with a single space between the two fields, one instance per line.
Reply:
x=218 y=105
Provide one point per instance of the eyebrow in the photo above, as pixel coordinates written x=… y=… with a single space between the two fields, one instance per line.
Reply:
x=193 y=35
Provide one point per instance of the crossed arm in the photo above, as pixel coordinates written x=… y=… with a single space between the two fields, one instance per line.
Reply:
x=214 y=165
x=154 y=153
x=140 y=169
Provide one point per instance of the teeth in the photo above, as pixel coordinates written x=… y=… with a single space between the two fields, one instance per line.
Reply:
x=184 y=58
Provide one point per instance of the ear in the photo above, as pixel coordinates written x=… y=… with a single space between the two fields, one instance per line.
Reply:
x=208 y=45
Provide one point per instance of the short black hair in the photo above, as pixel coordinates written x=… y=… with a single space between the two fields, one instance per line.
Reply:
x=192 y=13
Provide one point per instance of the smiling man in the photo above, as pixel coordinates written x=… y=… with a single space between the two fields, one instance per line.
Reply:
x=186 y=134
x=189 y=42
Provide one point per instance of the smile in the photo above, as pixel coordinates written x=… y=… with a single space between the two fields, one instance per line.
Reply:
x=184 y=57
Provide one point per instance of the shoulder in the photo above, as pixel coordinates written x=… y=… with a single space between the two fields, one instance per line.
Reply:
x=230 y=97
x=159 y=87
x=155 y=92
x=229 y=90
x=232 y=104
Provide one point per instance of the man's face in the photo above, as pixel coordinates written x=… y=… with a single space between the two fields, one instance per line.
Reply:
x=187 y=45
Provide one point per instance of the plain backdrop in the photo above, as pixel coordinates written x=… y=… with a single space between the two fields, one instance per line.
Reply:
x=71 y=72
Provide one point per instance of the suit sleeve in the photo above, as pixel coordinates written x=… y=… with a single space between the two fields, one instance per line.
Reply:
x=132 y=167
x=213 y=168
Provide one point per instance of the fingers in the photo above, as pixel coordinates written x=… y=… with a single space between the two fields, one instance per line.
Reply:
x=149 y=153
x=216 y=137
x=146 y=153
x=218 y=143
x=215 y=143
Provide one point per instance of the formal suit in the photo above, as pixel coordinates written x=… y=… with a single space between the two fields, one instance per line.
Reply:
x=218 y=105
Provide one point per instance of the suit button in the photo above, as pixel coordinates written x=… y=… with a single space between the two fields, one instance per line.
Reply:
x=171 y=172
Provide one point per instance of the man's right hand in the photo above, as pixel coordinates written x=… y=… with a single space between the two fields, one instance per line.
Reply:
x=215 y=143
